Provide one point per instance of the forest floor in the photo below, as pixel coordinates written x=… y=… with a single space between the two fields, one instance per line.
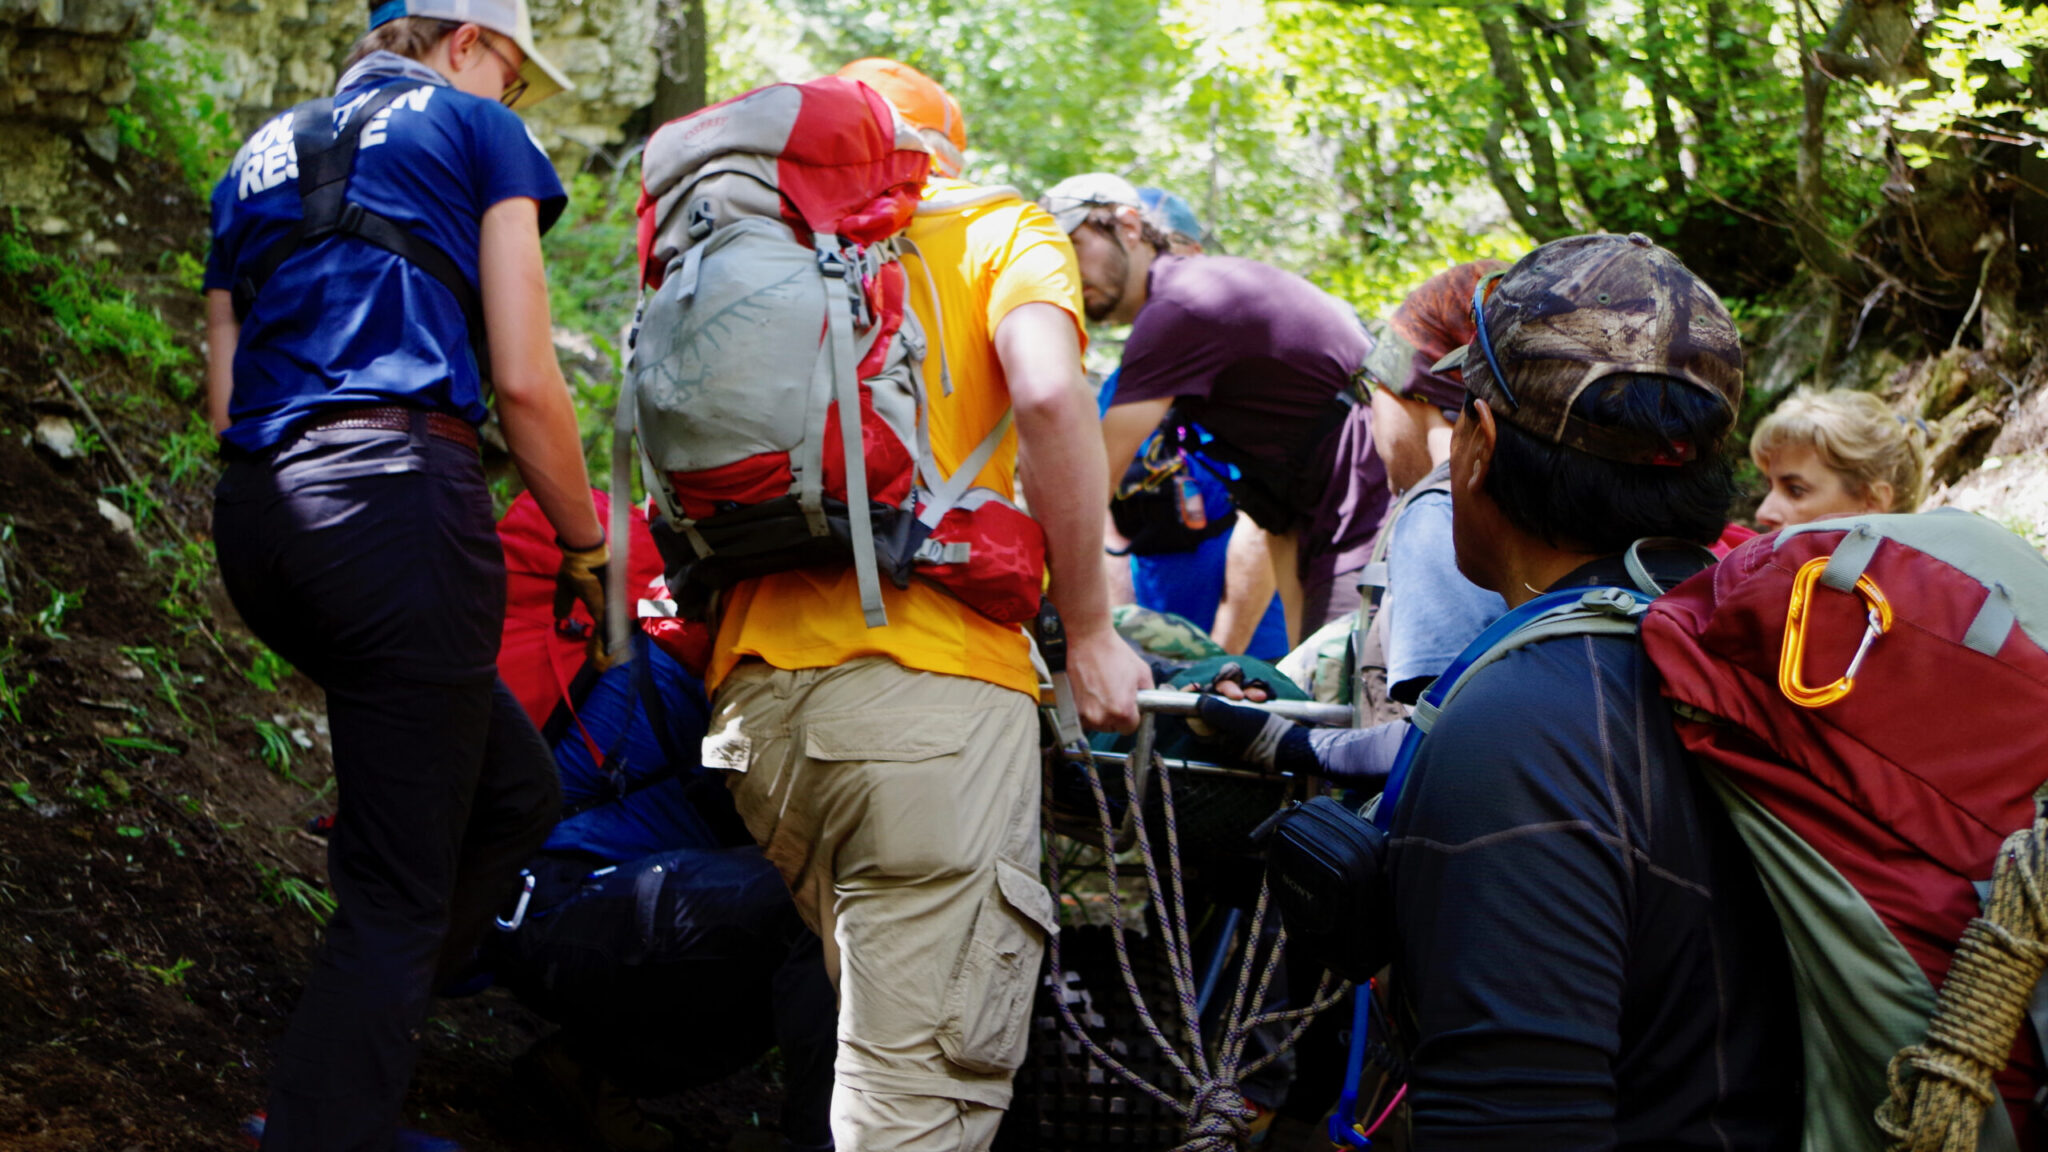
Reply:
x=158 y=892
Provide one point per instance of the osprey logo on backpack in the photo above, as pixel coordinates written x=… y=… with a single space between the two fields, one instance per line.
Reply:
x=777 y=371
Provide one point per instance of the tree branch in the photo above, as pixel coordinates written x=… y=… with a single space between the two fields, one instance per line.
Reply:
x=1668 y=151
x=1548 y=211
x=1819 y=249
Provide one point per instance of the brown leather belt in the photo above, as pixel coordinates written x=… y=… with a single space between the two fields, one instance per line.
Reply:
x=394 y=418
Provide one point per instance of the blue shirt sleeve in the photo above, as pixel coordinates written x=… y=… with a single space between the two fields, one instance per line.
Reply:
x=1434 y=612
x=510 y=163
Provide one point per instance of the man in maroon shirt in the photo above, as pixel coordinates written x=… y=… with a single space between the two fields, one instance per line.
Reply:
x=1260 y=370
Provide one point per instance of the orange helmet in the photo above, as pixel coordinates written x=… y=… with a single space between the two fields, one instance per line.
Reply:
x=916 y=95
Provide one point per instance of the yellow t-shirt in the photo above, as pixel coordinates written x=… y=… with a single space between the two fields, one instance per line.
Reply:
x=985 y=260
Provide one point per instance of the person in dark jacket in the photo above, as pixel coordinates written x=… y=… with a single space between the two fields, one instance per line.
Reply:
x=1585 y=958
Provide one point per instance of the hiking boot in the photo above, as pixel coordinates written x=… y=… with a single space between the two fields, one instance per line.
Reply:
x=604 y=1112
x=409 y=1140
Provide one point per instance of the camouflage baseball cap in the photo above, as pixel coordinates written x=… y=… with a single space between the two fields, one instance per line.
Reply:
x=1580 y=310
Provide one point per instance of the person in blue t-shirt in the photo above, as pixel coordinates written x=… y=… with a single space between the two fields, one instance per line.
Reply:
x=358 y=296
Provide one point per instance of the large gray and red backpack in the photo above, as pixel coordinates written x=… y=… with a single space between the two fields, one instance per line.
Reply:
x=777 y=373
x=1870 y=699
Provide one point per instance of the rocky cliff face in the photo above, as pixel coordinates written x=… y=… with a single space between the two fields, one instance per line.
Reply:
x=276 y=53
x=65 y=65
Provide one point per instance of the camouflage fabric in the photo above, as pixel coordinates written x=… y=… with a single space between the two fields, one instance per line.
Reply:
x=1580 y=310
x=1164 y=634
x=1322 y=663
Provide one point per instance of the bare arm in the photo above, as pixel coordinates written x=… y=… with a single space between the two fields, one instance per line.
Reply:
x=1124 y=428
x=534 y=405
x=223 y=333
x=1248 y=585
x=1065 y=479
x=1411 y=437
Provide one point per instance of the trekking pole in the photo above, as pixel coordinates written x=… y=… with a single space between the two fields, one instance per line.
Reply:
x=618 y=614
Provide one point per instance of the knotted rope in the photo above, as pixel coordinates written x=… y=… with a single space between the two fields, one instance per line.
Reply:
x=1218 y=1116
x=1941 y=1088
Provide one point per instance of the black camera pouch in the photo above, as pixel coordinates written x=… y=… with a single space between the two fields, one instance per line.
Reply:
x=1327 y=868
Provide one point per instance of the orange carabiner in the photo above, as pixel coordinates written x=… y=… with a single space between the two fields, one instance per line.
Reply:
x=1793 y=654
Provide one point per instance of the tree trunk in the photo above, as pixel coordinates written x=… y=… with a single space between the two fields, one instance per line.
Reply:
x=682 y=45
x=1538 y=209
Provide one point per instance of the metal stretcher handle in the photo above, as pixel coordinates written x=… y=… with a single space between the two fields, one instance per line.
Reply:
x=1169 y=703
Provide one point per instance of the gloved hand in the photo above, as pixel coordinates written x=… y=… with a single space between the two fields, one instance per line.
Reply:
x=1260 y=739
x=581 y=577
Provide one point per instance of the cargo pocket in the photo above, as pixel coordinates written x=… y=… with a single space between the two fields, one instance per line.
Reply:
x=988 y=1007
x=902 y=801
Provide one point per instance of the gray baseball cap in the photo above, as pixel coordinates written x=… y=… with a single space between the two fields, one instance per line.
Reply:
x=508 y=18
x=1070 y=199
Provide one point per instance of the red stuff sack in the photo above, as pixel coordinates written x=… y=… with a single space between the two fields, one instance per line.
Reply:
x=1875 y=799
x=540 y=658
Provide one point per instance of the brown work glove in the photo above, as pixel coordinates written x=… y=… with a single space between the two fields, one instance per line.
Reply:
x=581 y=577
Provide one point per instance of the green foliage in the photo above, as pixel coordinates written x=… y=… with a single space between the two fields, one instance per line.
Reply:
x=138 y=744
x=188 y=453
x=268 y=669
x=593 y=290
x=164 y=667
x=169 y=977
x=91 y=796
x=174 y=975
x=136 y=500
x=179 y=108
x=275 y=749
x=184 y=599
x=13 y=689
x=1980 y=58
x=97 y=315
x=50 y=620
x=295 y=892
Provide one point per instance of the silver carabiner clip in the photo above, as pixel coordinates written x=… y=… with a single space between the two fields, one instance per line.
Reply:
x=519 y=909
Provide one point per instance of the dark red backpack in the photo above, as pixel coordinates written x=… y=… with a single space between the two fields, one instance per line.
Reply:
x=1868 y=696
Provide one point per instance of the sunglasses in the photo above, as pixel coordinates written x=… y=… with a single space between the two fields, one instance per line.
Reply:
x=517 y=86
x=1480 y=292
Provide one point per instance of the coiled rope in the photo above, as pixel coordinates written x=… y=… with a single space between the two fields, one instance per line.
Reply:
x=1940 y=1089
x=1218 y=1118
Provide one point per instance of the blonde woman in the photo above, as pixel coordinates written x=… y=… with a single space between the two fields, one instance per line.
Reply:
x=1837 y=454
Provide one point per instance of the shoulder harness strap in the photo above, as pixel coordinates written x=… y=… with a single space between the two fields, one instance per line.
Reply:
x=1599 y=611
x=326 y=161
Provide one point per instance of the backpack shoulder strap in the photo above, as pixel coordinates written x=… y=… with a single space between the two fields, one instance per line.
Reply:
x=1598 y=611
x=326 y=162
x=1374 y=575
x=957 y=199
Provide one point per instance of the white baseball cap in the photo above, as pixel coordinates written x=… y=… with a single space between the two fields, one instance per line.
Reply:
x=508 y=18
x=1070 y=199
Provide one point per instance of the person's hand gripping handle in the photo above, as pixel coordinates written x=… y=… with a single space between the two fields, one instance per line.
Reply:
x=582 y=577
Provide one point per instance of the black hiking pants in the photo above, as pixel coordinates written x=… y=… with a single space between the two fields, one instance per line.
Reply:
x=368 y=559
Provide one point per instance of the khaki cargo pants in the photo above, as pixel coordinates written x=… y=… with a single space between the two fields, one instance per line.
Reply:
x=902 y=808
